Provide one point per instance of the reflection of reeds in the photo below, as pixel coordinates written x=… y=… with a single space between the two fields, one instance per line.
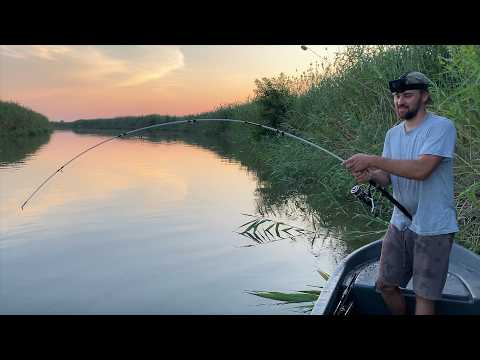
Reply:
x=263 y=231
x=15 y=149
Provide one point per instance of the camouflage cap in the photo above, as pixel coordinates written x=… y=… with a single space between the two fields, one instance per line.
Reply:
x=416 y=77
x=410 y=81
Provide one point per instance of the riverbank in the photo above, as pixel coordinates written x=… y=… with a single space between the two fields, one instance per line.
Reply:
x=17 y=120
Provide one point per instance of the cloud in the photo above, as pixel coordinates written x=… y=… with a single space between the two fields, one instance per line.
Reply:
x=95 y=66
x=152 y=65
x=46 y=52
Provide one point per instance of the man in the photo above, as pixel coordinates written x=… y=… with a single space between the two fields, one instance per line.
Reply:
x=417 y=160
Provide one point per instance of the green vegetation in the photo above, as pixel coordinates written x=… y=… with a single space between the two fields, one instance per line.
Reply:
x=275 y=97
x=118 y=123
x=22 y=132
x=18 y=121
x=346 y=107
x=15 y=149
x=306 y=297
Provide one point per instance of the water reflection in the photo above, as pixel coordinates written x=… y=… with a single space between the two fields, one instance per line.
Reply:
x=149 y=225
x=14 y=150
x=273 y=200
x=335 y=228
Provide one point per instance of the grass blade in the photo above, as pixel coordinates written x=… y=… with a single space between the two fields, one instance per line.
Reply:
x=249 y=222
x=288 y=298
x=324 y=275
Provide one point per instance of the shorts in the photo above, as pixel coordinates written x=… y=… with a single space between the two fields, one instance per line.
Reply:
x=406 y=254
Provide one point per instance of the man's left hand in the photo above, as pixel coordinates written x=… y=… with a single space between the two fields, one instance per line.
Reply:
x=358 y=162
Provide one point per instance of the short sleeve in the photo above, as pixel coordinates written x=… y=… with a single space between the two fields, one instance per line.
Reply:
x=440 y=140
x=386 y=146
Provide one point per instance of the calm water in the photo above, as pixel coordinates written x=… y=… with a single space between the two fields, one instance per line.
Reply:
x=141 y=227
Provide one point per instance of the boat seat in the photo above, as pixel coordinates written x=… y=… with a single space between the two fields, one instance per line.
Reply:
x=454 y=289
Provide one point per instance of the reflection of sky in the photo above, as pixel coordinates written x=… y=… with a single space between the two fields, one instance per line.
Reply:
x=138 y=227
x=120 y=165
x=71 y=82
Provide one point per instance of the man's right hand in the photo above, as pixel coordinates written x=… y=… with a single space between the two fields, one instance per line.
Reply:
x=363 y=176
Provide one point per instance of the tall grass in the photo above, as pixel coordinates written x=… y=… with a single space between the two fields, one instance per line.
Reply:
x=459 y=99
x=347 y=108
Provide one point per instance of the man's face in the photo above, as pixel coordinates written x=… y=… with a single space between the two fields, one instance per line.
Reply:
x=408 y=103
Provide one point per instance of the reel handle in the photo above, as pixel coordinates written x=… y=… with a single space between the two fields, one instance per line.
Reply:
x=361 y=195
x=391 y=198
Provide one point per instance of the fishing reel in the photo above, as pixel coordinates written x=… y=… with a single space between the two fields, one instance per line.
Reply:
x=365 y=196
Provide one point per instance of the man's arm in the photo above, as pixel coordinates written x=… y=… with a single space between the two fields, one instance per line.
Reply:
x=419 y=169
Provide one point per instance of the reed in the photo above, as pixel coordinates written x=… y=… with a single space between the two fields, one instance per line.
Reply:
x=345 y=105
x=305 y=297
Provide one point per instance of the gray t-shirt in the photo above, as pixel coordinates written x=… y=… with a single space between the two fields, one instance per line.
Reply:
x=430 y=202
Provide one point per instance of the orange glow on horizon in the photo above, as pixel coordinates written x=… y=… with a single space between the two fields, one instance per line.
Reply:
x=86 y=82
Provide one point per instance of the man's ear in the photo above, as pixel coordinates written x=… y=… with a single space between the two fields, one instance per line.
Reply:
x=425 y=95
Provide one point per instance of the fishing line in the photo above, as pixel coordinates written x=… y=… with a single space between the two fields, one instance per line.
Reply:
x=281 y=132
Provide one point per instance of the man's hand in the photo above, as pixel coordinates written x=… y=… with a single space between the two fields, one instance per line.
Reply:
x=363 y=176
x=358 y=163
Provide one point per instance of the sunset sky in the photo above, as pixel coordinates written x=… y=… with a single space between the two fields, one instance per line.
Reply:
x=67 y=83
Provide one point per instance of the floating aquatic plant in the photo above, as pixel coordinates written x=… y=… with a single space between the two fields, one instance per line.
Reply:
x=298 y=297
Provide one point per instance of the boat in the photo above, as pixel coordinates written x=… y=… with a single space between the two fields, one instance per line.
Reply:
x=350 y=290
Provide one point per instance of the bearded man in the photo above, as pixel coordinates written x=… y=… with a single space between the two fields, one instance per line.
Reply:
x=417 y=160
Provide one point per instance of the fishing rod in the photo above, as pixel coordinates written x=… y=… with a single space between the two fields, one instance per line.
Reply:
x=356 y=190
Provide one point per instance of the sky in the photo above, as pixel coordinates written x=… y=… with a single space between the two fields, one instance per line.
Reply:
x=71 y=82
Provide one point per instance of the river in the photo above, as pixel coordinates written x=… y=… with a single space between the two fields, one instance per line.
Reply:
x=144 y=227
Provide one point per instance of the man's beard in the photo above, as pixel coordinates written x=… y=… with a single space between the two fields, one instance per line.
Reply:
x=409 y=115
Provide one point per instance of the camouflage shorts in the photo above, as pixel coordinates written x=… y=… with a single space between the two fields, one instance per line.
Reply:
x=406 y=254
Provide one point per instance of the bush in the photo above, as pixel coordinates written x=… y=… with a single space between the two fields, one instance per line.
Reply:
x=16 y=120
x=275 y=97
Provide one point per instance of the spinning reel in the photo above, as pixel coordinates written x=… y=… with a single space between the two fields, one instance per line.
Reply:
x=365 y=196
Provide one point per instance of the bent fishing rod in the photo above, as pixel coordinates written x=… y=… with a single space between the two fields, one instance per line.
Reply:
x=355 y=190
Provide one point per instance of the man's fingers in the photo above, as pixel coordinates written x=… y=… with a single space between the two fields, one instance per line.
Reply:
x=349 y=163
x=361 y=176
x=361 y=179
x=349 y=160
